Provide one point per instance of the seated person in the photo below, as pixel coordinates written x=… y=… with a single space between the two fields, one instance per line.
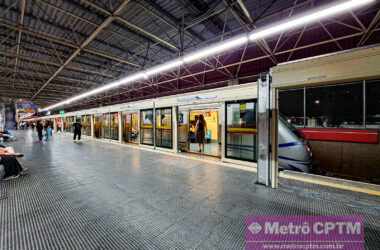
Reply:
x=12 y=167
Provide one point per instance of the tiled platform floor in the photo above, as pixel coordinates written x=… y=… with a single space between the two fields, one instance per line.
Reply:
x=102 y=196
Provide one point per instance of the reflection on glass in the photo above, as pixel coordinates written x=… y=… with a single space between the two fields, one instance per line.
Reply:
x=106 y=126
x=373 y=104
x=114 y=126
x=98 y=126
x=86 y=125
x=241 y=130
x=68 y=124
x=130 y=127
x=292 y=106
x=147 y=126
x=164 y=128
x=338 y=106
x=183 y=131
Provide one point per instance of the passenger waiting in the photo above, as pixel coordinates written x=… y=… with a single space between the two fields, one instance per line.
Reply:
x=12 y=168
x=40 y=129
x=201 y=128
x=77 y=130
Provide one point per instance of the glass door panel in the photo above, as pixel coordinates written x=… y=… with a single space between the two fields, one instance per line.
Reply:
x=183 y=131
x=86 y=125
x=114 y=126
x=147 y=127
x=164 y=137
x=106 y=126
x=241 y=130
x=98 y=126
x=130 y=127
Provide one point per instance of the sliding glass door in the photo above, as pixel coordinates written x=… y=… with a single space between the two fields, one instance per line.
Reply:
x=241 y=132
x=164 y=132
x=146 y=127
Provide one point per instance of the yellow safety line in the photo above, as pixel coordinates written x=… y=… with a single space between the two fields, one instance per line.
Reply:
x=318 y=181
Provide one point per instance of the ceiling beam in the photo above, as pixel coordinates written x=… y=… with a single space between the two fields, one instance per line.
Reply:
x=368 y=32
x=105 y=23
x=51 y=63
x=63 y=42
x=262 y=44
x=139 y=31
x=171 y=20
x=19 y=35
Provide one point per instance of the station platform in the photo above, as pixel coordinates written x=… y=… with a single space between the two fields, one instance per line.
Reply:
x=95 y=195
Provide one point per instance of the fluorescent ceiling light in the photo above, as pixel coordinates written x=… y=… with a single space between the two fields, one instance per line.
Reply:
x=164 y=67
x=308 y=18
x=216 y=49
x=225 y=46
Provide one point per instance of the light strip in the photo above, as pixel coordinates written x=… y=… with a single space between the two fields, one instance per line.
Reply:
x=225 y=46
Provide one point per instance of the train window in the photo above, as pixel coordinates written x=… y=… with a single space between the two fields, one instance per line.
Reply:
x=147 y=127
x=241 y=130
x=164 y=137
x=338 y=106
x=373 y=104
x=292 y=106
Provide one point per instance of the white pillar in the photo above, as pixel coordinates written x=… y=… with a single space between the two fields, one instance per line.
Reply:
x=120 y=127
x=223 y=128
x=175 y=128
x=54 y=125
x=92 y=125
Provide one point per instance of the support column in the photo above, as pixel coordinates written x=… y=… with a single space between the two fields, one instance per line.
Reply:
x=223 y=128
x=54 y=125
x=274 y=137
x=264 y=163
x=154 y=125
x=120 y=127
x=92 y=126
x=175 y=128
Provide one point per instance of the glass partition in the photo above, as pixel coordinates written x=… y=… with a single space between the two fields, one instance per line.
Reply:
x=241 y=130
x=130 y=127
x=59 y=124
x=106 y=125
x=373 y=104
x=293 y=110
x=114 y=126
x=146 y=126
x=68 y=124
x=98 y=126
x=86 y=125
x=164 y=132
x=339 y=106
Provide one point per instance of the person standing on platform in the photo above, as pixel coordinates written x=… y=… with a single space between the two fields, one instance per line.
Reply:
x=200 y=131
x=48 y=131
x=40 y=129
x=77 y=129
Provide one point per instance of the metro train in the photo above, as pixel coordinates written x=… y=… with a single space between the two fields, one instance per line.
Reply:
x=229 y=111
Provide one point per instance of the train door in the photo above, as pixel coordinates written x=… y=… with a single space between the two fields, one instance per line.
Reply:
x=187 y=134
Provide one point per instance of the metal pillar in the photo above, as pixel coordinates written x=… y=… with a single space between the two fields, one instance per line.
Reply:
x=266 y=125
x=92 y=117
x=154 y=125
x=54 y=125
x=175 y=128
x=274 y=137
x=119 y=117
